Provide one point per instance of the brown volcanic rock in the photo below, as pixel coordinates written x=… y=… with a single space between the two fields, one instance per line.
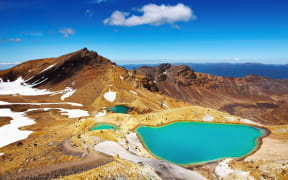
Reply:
x=258 y=98
x=90 y=75
x=83 y=70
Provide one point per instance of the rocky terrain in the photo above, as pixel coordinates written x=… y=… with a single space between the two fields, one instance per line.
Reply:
x=253 y=97
x=52 y=104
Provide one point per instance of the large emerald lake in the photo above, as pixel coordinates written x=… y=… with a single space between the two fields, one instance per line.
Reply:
x=195 y=142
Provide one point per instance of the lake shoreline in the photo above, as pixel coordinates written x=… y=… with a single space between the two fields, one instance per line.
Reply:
x=264 y=130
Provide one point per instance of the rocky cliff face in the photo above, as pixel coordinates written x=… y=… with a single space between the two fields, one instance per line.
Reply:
x=258 y=98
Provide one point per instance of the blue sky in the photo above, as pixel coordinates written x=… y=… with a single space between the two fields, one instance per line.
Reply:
x=130 y=31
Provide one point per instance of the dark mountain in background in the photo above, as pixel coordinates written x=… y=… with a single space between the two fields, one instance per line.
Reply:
x=232 y=70
x=253 y=97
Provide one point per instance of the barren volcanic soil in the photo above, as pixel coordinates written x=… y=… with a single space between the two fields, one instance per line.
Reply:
x=258 y=98
x=63 y=98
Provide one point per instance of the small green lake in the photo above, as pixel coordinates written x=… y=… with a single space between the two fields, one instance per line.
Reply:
x=101 y=126
x=119 y=109
x=195 y=142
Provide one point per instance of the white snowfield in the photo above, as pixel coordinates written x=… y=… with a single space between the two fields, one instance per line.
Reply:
x=223 y=170
x=39 y=104
x=19 y=86
x=10 y=133
x=110 y=96
x=68 y=92
x=172 y=171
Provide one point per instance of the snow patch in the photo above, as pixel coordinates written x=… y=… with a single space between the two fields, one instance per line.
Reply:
x=19 y=86
x=68 y=92
x=121 y=77
x=1 y=154
x=230 y=118
x=208 y=117
x=165 y=105
x=39 y=104
x=112 y=148
x=247 y=121
x=49 y=67
x=4 y=103
x=132 y=139
x=100 y=114
x=10 y=133
x=75 y=113
x=110 y=96
x=223 y=170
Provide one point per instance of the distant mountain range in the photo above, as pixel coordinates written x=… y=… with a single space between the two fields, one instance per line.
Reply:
x=221 y=69
x=231 y=70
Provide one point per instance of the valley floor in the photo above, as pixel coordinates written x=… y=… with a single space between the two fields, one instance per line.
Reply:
x=64 y=147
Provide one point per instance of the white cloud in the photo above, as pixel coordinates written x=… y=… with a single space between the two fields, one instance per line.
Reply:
x=14 y=40
x=89 y=13
x=66 y=32
x=96 y=1
x=236 y=59
x=152 y=15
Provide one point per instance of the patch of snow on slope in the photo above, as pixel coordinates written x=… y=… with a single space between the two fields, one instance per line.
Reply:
x=171 y=170
x=1 y=154
x=68 y=92
x=208 y=117
x=39 y=104
x=133 y=92
x=121 y=77
x=4 y=103
x=10 y=133
x=75 y=113
x=100 y=114
x=110 y=96
x=165 y=105
x=19 y=86
x=247 y=121
x=229 y=118
x=223 y=170
x=49 y=67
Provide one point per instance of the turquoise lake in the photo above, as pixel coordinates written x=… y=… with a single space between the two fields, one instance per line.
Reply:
x=101 y=126
x=119 y=109
x=195 y=142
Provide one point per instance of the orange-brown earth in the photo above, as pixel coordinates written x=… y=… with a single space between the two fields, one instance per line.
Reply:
x=156 y=91
x=253 y=97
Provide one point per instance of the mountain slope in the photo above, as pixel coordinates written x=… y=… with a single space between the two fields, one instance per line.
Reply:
x=254 y=97
x=87 y=76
